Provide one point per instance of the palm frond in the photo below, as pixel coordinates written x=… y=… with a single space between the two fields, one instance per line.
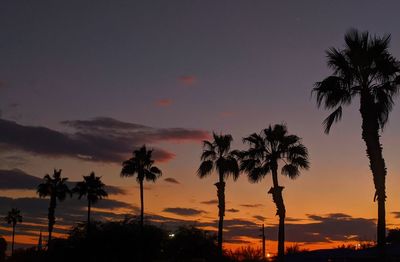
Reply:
x=334 y=117
x=258 y=173
x=208 y=155
x=332 y=91
x=205 y=168
x=291 y=171
x=232 y=167
x=301 y=162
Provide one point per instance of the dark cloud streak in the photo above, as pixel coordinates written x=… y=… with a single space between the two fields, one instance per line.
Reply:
x=183 y=211
x=18 y=179
x=99 y=139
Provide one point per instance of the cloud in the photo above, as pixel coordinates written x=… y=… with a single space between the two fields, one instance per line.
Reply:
x=183 y=211
x=326 y=228
x=187 y=80
x=330 y=227
x=396 y=214
x=164 y=102
x=18 y=179
x=292 y=219
x=252 y=205
x=210 y=202
x=12 y=161
x=260 y=218
x=232 y=210
x=171 y=180
x=226 y=114
x=99 y=139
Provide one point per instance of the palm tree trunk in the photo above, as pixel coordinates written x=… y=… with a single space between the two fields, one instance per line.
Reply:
x=276 y=192
x=51 y=217
x=141 y=205
x=141 y=252
x=13 y=238
x=370 y=135
x=88 y=218
x=221 y=210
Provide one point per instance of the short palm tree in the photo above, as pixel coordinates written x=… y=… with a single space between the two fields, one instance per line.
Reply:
x=13 y=218
x=56 y=188
x=93 y=189
x=274 y=146
x=141 y=166
x=364 y=69
x=217 y=155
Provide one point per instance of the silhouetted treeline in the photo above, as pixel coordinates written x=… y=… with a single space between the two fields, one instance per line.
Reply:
x=122 y=241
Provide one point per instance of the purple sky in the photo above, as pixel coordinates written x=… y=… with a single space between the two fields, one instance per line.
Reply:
x=226 y=66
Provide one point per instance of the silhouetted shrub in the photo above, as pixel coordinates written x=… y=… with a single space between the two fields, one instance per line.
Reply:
x=393 y=236
x=191 y=244
x=246 y=254
x=3 y=249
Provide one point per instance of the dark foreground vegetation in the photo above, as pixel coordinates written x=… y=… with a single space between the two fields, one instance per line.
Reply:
x=126 y=241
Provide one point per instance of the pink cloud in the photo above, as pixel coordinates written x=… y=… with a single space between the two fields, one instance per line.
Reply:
x=163 y=156
x=164 y=102
x=226 y=114
x=187 y=80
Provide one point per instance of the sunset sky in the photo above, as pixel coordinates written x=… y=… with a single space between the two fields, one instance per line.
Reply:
x=83 y=83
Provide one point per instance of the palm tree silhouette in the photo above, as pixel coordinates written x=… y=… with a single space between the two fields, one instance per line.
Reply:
x=56 y=188
x=141 y=165
x=218 y=156
x=13 y=217
x=364 y=69
x=93 y=189
x=269 y=148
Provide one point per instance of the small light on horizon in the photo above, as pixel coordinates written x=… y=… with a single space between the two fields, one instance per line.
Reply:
x=172 y=235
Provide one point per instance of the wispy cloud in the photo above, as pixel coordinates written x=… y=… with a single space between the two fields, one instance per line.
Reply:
x=260 y=218
x=188 y=80
x=396 y=214
x=163 y=102
x=210 y=202
x=251 y=205
x=226 y=114
x=183 y=211
x=171 y=180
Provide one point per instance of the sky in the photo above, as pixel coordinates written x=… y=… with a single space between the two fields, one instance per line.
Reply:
x=82 y=84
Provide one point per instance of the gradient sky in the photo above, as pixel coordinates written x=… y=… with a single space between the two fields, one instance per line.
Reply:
x=201 y=66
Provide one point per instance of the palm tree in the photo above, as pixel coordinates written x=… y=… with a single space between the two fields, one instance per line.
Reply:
x=141 y=165
x=363 y=69
x=217 y=155
x=56 y=188
x=274 y=146
x=13 y=217
x=93 y=189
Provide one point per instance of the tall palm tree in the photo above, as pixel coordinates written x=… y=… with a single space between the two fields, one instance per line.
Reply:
x=141 y=165
x=217 y=155
x=93 y=189
x=364 y=69
x=274 y=146
x=13 y=217
x=56 y=188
